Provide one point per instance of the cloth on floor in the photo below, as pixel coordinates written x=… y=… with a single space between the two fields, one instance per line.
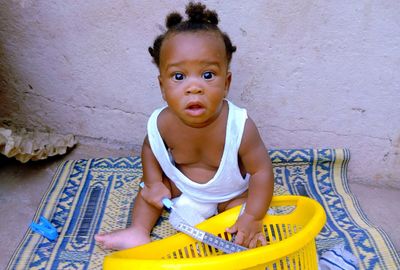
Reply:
x=96 y=195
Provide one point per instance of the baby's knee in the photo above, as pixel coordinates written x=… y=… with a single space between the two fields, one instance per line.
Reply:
x=239 y=200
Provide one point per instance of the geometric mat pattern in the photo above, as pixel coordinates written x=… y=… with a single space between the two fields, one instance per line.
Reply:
x=96 y=195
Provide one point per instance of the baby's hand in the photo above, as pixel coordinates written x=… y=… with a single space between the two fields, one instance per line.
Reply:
x=154 y=193
x=248 y=231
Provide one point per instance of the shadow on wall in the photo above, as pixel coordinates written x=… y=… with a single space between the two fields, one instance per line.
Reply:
x=9 y=77
x=9 y=94
x=14 y=80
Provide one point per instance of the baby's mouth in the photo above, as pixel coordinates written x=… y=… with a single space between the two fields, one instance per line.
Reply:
x=194 y=109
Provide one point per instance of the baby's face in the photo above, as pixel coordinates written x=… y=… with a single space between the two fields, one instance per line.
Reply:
x=194 y=76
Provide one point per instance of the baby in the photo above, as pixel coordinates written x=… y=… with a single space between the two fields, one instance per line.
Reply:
x=200 y=148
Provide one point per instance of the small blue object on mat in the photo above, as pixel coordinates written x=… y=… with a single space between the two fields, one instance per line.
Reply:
x=45 y=228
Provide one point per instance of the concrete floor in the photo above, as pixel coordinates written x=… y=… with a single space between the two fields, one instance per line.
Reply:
x=23 y=185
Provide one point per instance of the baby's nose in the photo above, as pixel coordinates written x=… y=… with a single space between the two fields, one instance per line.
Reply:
x=194 y=89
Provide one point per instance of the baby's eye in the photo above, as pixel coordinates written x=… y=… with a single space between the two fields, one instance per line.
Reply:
x=178 y=76
x=208 y=75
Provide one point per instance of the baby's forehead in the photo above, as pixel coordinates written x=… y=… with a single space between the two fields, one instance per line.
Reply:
x=193 y=45
x=206 y=34
x=197 y=41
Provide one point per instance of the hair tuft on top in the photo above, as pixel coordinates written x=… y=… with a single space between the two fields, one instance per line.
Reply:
x=212 y=17
x=197 y=13
x=173 y=19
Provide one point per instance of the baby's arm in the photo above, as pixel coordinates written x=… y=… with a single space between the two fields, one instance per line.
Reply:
x=154 y=189
x=255 y=158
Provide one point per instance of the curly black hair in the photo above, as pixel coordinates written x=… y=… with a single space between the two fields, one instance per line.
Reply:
x=199 y=19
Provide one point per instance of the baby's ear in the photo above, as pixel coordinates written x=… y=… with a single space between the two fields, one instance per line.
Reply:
x=161 y=86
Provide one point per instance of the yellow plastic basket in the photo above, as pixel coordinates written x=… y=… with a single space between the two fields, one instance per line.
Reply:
x=291 y=237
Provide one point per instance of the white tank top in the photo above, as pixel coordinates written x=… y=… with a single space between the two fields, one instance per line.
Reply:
x=227 y=182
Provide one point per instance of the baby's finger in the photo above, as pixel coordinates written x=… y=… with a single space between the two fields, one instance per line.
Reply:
x=253 y=242
x=232 y=229
x=259 y=238
x=239 y=239
x=262 y=239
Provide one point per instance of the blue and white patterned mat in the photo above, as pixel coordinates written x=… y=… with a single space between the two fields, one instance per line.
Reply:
x=88 y=196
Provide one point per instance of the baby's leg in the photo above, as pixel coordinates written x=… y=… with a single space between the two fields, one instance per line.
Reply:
x=144 y=217
x=233 y=202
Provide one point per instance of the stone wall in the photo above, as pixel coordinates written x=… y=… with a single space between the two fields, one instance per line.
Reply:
x=311 y=73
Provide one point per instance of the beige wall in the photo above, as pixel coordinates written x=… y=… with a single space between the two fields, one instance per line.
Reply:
x=311 y=73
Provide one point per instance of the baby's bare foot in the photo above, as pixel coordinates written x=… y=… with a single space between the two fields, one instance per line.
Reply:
x=122 y=239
